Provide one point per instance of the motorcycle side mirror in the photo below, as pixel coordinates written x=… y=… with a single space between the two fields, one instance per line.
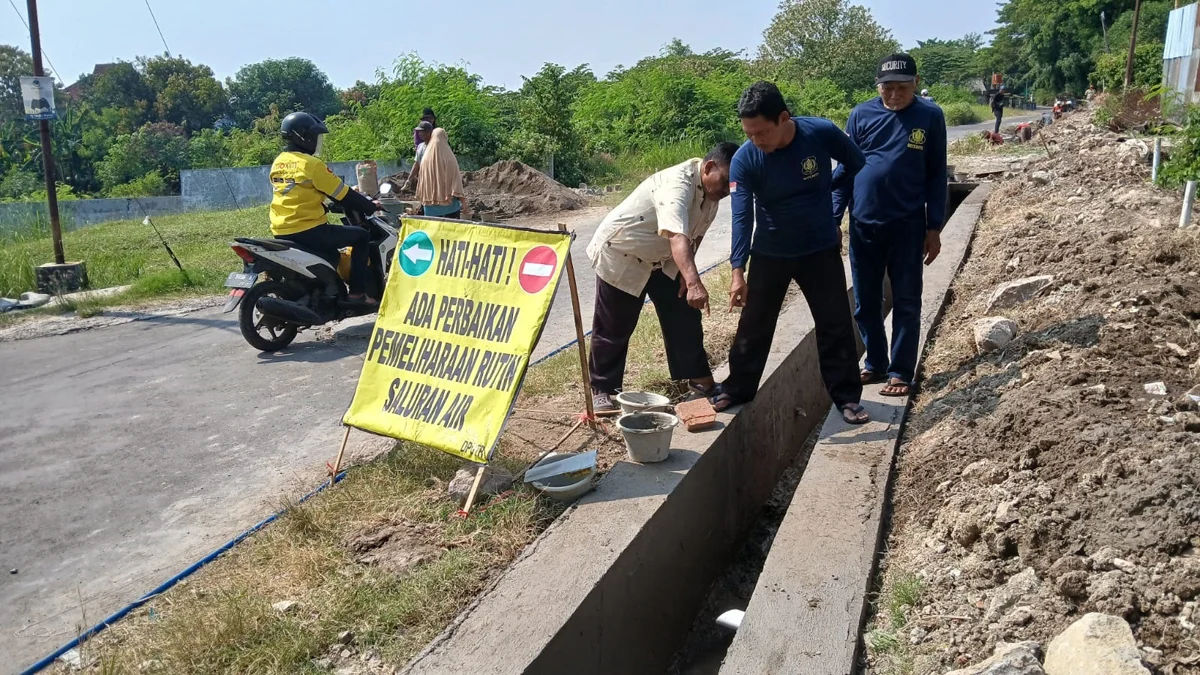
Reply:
x=385 y=189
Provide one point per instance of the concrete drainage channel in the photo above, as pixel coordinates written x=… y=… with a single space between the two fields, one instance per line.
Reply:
x=620 y=581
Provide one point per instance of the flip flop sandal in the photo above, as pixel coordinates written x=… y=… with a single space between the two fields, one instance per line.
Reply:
x=854 y=413
x=871 y=377
x=899 y=389
x=723 y=400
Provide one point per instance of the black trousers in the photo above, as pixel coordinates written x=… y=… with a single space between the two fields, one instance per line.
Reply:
x=616 y=316
x=999 y=113
x=331 y=238
x=822 y=279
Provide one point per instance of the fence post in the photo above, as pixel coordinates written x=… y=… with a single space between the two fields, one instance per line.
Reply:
x=1189 y=198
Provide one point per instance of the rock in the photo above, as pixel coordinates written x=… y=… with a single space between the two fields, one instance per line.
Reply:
x=1073 y=585
x=345 y=637
x=323 y=664
x=1007 y=514
x=993 y=332
x=497 y=480
x=285 y=606
x=1020 y=616
x=985 y=472
x=1013 y=293
x=1097 y=644
x=1019 y=658
x=966 y=530
x=1189 y=420
x=917 y=635
x=1040 y=177
x=1007 y=596
x=30 y=300
x=1124 y=565
x=1103 y=559
x=6 y=304
x=1067 y=563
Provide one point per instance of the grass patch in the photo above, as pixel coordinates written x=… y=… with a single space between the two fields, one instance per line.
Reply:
x=129 y=253
x=887 y=640
x=222 y=619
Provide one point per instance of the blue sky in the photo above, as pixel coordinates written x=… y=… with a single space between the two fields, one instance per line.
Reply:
x=501 y=41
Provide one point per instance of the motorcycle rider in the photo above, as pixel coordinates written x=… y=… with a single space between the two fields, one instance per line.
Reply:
x=301 y=183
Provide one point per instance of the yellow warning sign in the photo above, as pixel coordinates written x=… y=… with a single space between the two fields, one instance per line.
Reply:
x=464 y=306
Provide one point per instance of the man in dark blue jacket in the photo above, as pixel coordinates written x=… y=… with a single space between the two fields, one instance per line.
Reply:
x=897 y=207
x=783 y=177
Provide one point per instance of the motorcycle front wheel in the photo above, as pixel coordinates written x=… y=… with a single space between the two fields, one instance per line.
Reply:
x=262 y=332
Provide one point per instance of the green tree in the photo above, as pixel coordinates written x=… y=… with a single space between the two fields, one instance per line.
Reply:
x=184 y=94
x=160 y=147
x=952 y=62
x=288 y=84
x=545 y=124
x=830 y=39
x=123 y=90
x=1147 y=67
x=13 y=64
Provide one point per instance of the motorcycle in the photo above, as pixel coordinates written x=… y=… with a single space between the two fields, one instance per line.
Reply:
x=285 y=288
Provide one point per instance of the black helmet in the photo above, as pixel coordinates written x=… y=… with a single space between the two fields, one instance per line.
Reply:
x=302 y=130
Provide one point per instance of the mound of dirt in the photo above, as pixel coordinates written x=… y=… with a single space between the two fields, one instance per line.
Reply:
x=508 y=188
x=1060 y=475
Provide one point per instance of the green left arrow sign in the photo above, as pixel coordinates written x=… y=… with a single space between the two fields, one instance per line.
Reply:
x=416 y=254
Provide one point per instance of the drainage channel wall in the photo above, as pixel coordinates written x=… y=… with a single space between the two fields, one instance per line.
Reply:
x=807 y=610
x=615 y=584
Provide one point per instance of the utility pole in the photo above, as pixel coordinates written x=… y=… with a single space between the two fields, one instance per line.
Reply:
x=1137 y=13
x=47 y=154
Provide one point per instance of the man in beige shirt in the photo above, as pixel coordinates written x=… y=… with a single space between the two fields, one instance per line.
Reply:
x=647 y=246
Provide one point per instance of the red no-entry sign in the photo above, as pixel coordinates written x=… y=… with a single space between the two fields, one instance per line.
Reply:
x=537 y=268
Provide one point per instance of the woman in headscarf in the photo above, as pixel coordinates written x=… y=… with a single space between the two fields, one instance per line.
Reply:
x=440 y=185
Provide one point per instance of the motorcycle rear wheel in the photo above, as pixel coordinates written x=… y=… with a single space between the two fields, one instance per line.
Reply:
x=262 y=332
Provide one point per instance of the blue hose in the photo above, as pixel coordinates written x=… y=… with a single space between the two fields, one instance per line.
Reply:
x=162 y=588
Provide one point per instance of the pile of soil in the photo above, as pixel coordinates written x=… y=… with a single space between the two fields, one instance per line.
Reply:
x=508 y=189
x=1044 y=480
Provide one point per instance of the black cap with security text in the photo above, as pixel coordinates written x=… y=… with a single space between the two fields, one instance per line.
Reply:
x=896 y=68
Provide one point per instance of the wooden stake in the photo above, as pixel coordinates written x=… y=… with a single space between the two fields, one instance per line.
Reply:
x=474 y=489
x=337 y=464
x=583 y=359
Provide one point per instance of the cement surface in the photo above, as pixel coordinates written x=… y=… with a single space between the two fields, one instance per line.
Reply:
x=806 y=613
x=133 y=450
x=613 y=585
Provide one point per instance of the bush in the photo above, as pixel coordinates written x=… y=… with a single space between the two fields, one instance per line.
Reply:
x=961 y=113
x=1147 y=67
x=150 y=185
x=1183 y=164
x=945 y=94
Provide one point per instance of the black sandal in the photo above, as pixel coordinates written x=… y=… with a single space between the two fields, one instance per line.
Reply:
x=854 y=413
x=723 y=400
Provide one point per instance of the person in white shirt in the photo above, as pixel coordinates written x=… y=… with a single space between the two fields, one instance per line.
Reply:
x=647 y=246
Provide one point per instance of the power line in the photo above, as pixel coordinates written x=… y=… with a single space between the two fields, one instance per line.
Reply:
x=44 y=54
x=160 y=33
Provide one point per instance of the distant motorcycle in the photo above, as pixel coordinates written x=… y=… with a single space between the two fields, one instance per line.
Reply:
x=285 y=288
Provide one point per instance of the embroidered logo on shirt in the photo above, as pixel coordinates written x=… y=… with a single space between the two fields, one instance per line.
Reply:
x=916 y=140
x=732 y=186
x=809 y=167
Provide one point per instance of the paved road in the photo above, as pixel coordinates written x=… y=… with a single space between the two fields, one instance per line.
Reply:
x=132 y=450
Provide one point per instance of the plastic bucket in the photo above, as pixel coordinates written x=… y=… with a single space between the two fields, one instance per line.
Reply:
x=648 y=435
x=642 y=401
x=565 y=487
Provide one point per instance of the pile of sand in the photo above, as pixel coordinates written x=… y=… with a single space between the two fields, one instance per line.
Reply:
x=508 y=189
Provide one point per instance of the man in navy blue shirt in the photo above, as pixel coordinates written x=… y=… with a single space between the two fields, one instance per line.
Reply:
x=897 y=207
x=783 y=177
